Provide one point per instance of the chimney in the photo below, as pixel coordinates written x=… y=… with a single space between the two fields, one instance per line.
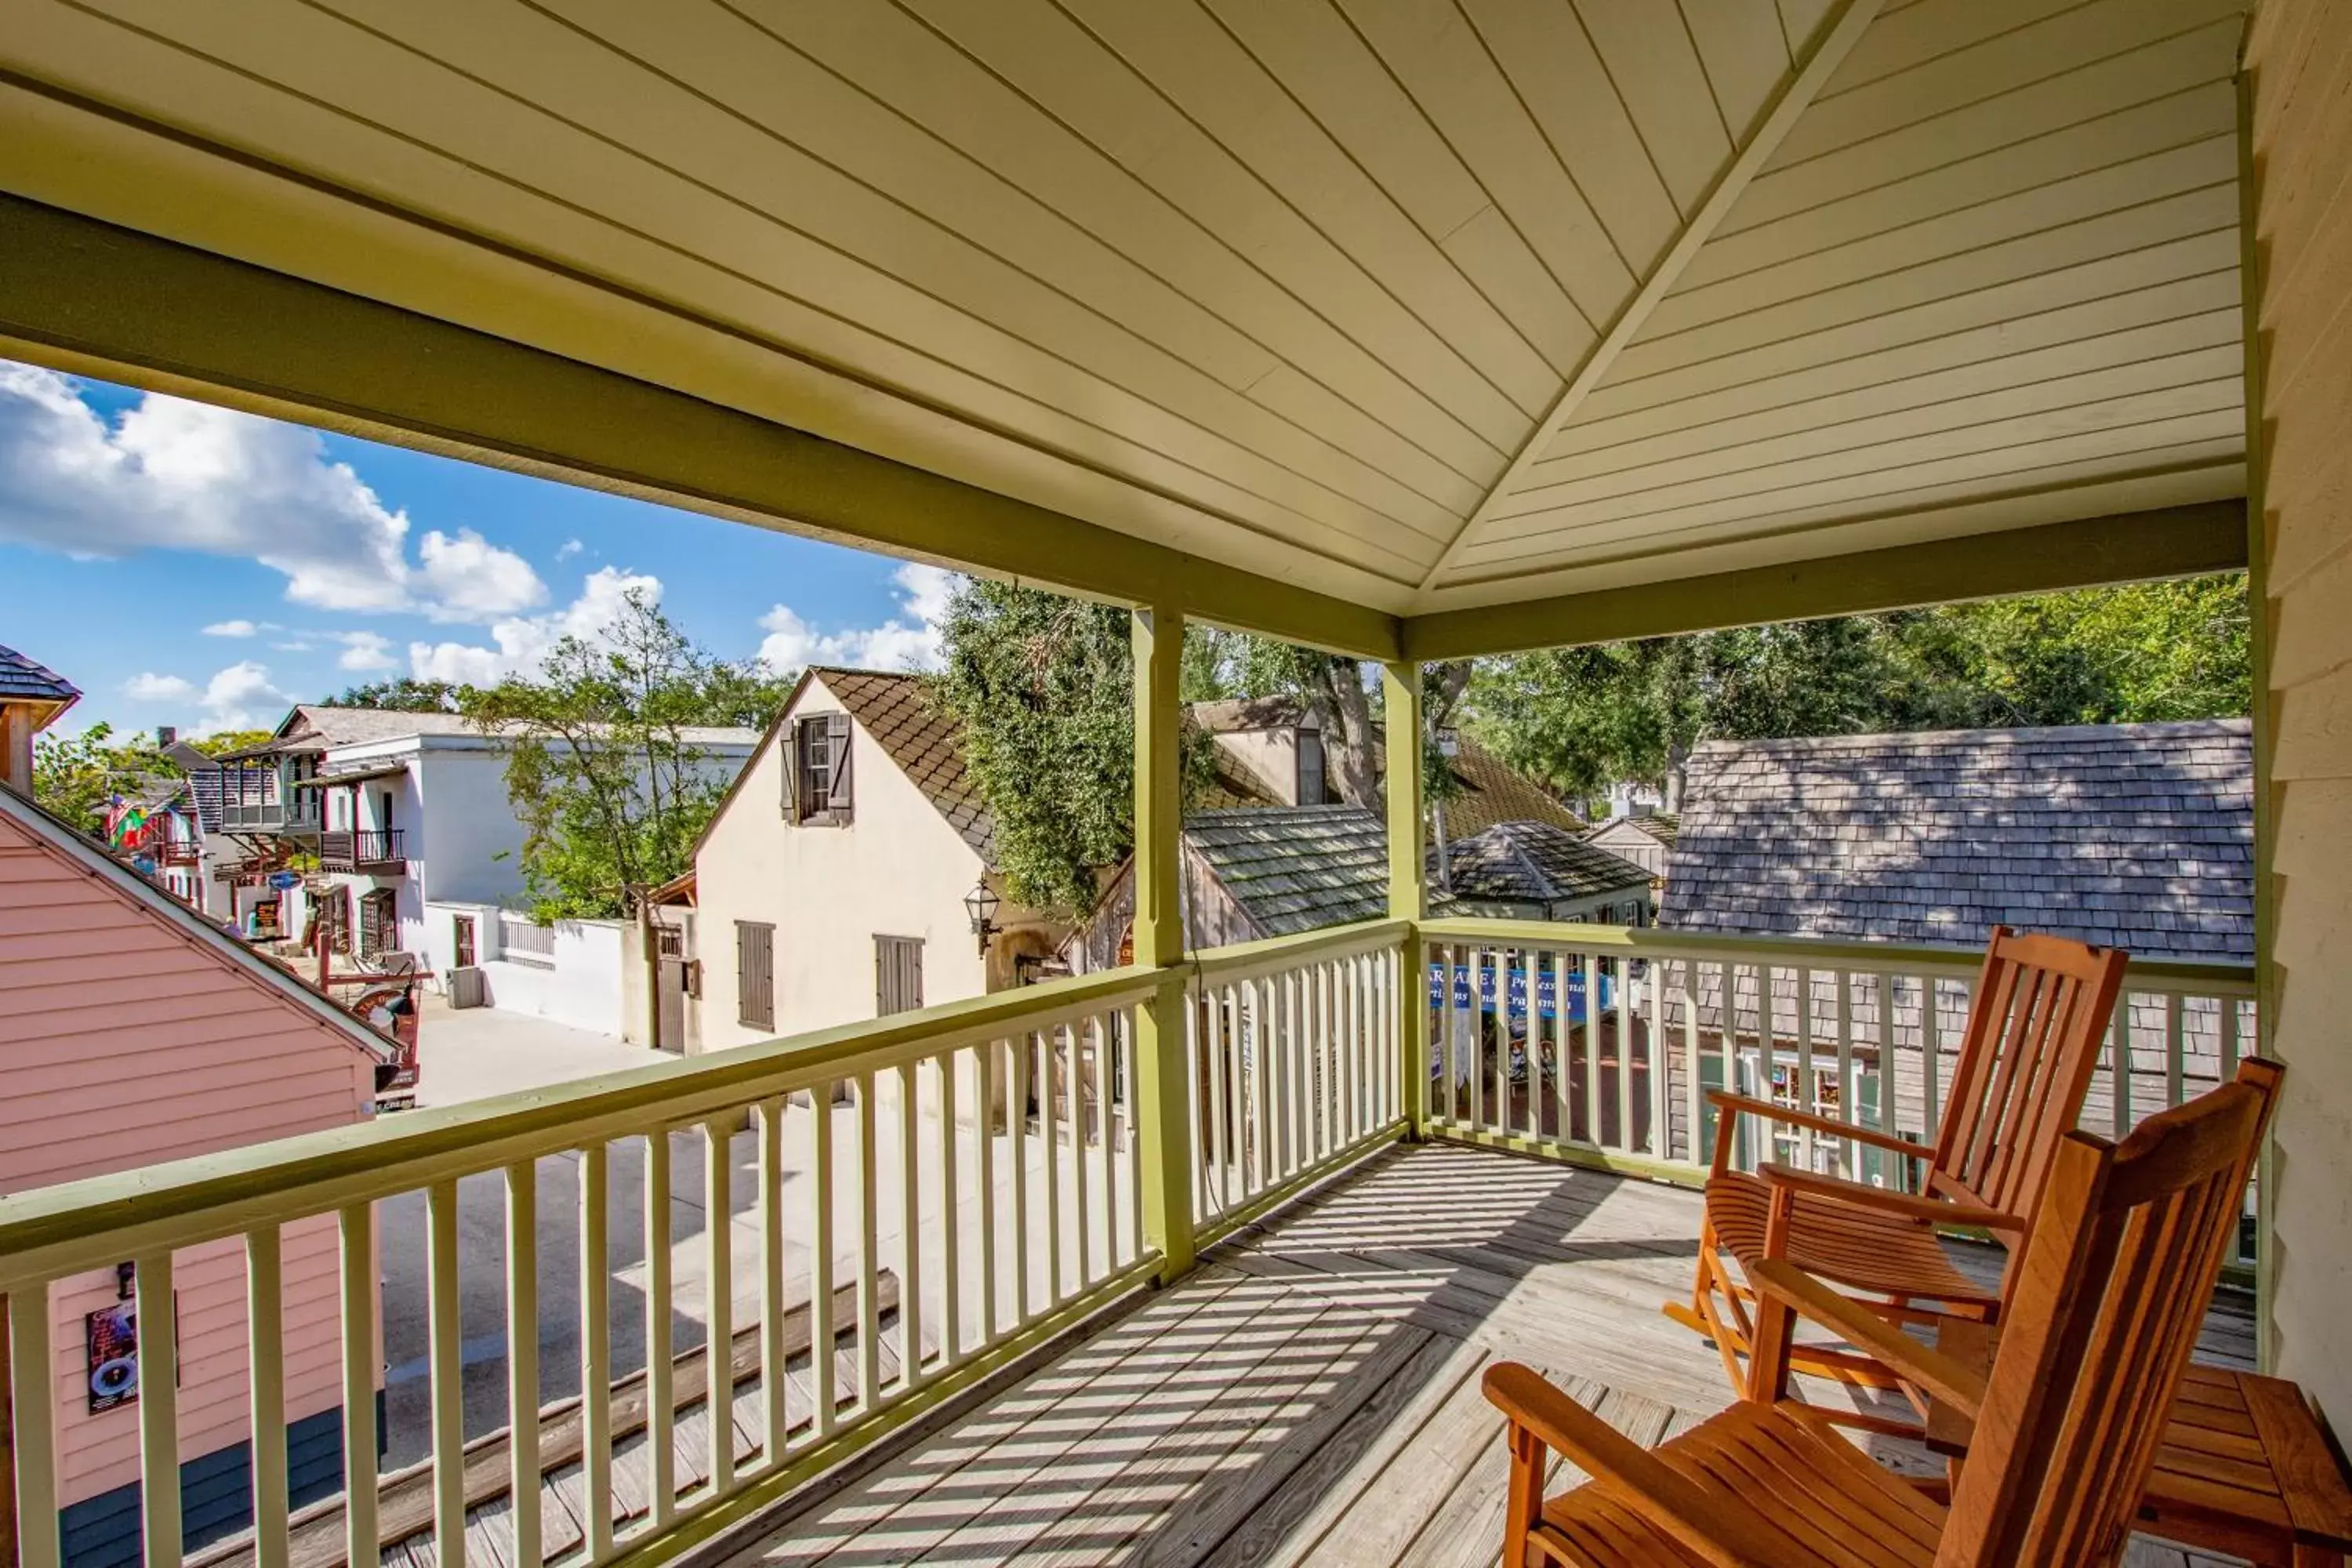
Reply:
x=165 y=736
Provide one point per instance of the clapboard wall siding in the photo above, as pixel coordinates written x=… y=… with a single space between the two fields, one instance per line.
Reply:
x=131 y=1034
x=2299 y=58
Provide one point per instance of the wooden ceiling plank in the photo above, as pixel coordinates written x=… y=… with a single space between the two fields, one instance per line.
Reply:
x=2186 y=475
x=1933 y=323
x=2202 y=443
x=1214 y=135
x=1543 y=49
x=922 y=78
x=1908 y=372
x=2130 y=547
x=1896 y=145
x=2205 y=110
x=1882 y=423
x=1740 y=45
x=100 y=299
x=1834 y=40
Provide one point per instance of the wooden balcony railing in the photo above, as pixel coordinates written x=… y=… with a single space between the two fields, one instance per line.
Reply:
x=932 y=1195
x=362 y=849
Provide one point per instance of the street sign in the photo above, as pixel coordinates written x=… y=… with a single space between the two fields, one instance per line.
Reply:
x=283 y=880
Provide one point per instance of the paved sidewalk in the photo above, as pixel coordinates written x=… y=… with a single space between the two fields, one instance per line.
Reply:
x=474 y=1053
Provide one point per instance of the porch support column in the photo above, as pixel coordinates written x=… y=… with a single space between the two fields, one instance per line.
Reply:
x=1408 y=890
x=1160 y=1116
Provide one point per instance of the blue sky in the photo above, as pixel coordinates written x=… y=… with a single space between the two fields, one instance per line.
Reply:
x=190 y=565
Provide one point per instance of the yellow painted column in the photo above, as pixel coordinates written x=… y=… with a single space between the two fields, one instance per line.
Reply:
x=1408 y=886
x=1160 y=1116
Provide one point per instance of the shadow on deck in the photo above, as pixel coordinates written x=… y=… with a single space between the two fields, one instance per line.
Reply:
x=1310 y=1396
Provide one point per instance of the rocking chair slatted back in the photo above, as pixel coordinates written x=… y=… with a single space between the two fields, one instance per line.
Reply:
x=2042 y=1006
x=2103 y=1313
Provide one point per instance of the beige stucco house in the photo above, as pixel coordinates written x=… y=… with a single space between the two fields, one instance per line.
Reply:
x=831 y=884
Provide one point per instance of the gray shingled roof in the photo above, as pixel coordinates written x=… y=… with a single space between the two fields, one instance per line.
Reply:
x=23 y=680
x=926 y=743
x=2138 y=835
x=1296 y=867
x=1537 y=863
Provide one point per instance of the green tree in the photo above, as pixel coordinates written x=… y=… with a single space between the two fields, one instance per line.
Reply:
x=1584 y=719
x=75 y=776
x=611 y=788
x=1043 y=688
x=407 y=693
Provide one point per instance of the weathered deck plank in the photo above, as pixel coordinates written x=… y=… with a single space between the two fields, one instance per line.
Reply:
x=1312 y=1394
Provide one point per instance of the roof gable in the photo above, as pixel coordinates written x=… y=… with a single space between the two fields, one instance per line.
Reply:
x=1537 y=863
x=2134 y=836
x=927 y=745
x=25 y=681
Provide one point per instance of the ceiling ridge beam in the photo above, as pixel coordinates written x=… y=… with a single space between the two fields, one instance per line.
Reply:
x=1832 y=41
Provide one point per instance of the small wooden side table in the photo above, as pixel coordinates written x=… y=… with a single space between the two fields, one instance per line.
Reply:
x=2244 y=1468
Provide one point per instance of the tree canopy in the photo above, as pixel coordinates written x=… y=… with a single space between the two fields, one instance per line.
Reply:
x=611 y=789
x=407 y=693
x=1584 y=719
x=1043 y=688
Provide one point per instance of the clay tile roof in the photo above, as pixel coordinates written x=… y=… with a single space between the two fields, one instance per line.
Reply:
x=926 y=743
x=2132 y=835
x=23 y=680
x=1537 y=863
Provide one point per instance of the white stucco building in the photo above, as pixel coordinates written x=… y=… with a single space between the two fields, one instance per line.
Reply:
x=408 y=815
x=831 y=886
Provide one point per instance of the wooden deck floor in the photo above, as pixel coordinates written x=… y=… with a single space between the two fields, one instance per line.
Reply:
x=1311 y=1395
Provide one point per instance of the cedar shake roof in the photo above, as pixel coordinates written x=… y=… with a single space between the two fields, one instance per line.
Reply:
x=1494 y=793
x=926 y=743
x=1662 y=826
x=23 y=680
x=1537 y=863
x=2133 y=836
x=1296 y=867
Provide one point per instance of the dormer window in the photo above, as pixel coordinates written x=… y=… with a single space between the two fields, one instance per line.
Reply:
x=816 y=770
x=1310 y=767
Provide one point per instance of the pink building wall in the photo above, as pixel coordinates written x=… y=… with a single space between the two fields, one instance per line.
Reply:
x=129 y=1036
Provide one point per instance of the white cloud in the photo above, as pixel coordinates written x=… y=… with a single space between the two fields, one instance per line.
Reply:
x=171 y=474
x=469 y=579
x=522 y=641
x=297 y=645
x=910 y=640
x=365 y=651
x=231 y=629
x=568 y=549
x=149 y=687
x=228 y=700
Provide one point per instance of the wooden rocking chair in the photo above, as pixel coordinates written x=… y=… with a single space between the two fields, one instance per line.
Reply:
x=2042 y=1006
x=2111 y=1290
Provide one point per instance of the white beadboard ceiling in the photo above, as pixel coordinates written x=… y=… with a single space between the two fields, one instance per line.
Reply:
x=1426 y=303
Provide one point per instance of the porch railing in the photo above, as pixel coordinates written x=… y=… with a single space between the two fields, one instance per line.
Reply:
x=1599 y=1043
x=894 y=1210
x=357 y=850
x=922 y=1200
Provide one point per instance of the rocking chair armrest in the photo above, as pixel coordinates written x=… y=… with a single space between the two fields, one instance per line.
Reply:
x=1788 y=1115
x=1703 y=1525
x=1914 y=1205
x=1954 y=1383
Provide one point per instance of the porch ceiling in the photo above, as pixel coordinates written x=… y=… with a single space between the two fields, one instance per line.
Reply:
x=1422 y=306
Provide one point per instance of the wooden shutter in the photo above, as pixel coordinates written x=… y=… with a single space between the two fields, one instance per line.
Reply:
x=788 y=746
x=755 y=974
x=837 y=732
x=897 y=975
